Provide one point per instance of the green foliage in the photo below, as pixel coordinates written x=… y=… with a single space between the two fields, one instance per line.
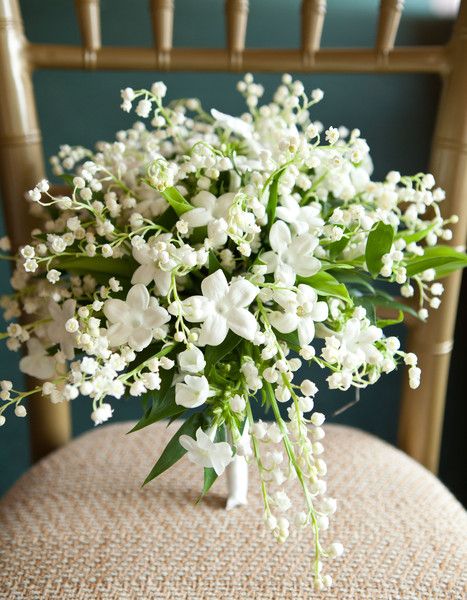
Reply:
x=214 y=354
x=83 y=265
x=160 y=403
x=173 y=452
x=273 y=197
x=378 y=244
x=326 y=285
x=443 y=259
x=176 y=200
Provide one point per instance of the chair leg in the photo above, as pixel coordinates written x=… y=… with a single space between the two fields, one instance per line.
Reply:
x=422 y=410
x=21 y=167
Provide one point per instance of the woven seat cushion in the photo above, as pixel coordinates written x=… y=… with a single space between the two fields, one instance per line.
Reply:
x=79 y=526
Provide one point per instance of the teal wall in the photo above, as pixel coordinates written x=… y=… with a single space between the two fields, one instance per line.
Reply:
x=394 y=112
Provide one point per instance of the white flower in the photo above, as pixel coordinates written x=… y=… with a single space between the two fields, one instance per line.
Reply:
x=290 y=257
x=150 y=271
x=301 y=310
x=57 y=331
x=37 y=363
x=133 y=321
x=193 y=392
x=305 y=219
x=220 y=308
x=208 y=208
x=206 y=453
x=102 y=413
x=191 y=360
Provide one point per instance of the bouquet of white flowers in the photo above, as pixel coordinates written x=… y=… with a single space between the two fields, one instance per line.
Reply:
x=196 y=264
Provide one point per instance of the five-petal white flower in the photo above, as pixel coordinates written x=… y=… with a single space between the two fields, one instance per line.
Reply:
x=206 y=453
x=301 y=310
x=56 y=329
x=134 y=321
x=37 y=363
x=289 y=256
x=149 y=270
x=220 y=308
x=193 y=392
x=208 y=208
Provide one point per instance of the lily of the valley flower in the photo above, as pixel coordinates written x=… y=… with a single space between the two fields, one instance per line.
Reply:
x=135 y=320
x=191 y=360
x=301 y=310
x=208 y=208
x=37 y=363
x=206 y=453
x=220 y=308
x=56 y=329
x=290 y=256
x=193 y=392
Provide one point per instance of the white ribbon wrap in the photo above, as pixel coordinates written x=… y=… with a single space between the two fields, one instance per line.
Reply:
x=237 y=479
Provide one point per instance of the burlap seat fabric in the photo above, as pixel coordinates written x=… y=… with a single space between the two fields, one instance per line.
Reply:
x=78 y=526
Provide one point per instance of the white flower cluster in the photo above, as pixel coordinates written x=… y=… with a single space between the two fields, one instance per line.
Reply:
x=197 y=262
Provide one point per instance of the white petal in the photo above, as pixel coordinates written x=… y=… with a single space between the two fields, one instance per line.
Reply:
x=284 y=322
x=270 y=259
x=279 y=237
x=162 y=279
x=320 y=311
x=144 y=274
x=203 y=199
x=138 y=297
x=284 y=274
x=242 y=293
x=213 y=331
x=234 y=124
x=215 y=286
x=140 y=338
x=155 y=317
x=117 y=334
x=197 y=217
x=306 y=331
x=242 y=322
x=187 y=442
x=116 y=310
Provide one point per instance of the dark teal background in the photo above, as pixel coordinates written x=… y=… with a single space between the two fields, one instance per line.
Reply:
x=394 y=112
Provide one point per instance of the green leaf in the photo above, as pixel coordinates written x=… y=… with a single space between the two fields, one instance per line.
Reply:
x=337 y=248
x=326 y=285
x=163 y=404
x=173 y=452
x=214 y=264
x=355 y=278
x=210 y=475
x=379 y=243
x=291 y=339
x=123 y=267
x=167 y=219
x=273 y=197
x=443 y=259
x=176 y=200
x=214 y=354
x=382 y=323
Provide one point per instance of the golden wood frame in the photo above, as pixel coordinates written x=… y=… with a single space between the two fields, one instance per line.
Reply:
x=21 y=160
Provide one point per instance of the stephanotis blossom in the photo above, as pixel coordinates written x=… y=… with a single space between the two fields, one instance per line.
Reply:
x=220 y=308
x=290 y=256
x=206 y=453
x=192 y=263
x=300 y=311
x=135 y=320
x=37 y=363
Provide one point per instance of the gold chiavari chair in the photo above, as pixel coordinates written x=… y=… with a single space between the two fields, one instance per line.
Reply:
x=76 y=526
